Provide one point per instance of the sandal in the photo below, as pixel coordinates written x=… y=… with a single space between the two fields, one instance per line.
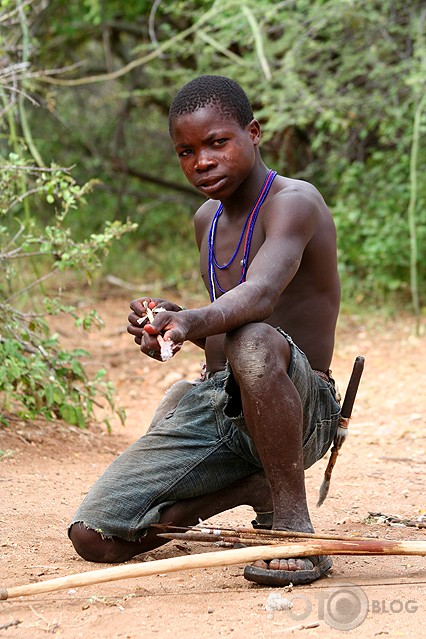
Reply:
x=269 y=577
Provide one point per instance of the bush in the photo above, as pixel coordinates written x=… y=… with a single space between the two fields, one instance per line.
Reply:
x=38 y=377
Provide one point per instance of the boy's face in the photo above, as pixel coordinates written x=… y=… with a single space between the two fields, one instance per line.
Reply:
x=216 y=154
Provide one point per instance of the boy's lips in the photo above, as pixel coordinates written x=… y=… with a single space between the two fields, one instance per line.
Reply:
x=210 y=185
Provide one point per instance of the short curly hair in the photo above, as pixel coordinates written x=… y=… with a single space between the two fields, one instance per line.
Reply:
x=208 y=90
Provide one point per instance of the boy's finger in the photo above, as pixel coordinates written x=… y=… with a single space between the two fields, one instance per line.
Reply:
x=138 y=307
x=135 y=330
x=134 y=319
x=150 y=329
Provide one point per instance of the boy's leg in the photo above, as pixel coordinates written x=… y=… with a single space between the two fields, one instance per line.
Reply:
x=184 y=469
x=260 y=359
x=91 y=545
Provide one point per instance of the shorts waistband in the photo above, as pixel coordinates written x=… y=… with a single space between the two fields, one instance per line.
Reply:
x=208 y=374
x=324 y=376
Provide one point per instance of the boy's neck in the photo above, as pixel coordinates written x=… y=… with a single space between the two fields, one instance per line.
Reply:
x=245 y=196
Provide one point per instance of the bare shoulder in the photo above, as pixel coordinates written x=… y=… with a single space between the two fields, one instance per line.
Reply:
x=296 y=209
x=292 y=191
x=202 y=219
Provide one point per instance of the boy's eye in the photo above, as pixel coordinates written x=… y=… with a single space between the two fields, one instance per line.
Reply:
x=219 y=142
x=184 y=153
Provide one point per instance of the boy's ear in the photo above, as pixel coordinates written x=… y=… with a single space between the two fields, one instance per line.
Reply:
x=254 y=131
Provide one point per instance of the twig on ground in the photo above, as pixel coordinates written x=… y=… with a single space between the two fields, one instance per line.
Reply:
x=396 y=520
x=304 y=626
x=7 y=625
x=51 y=626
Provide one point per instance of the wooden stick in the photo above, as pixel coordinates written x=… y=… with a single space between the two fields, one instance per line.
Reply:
x=255 y=533
x=345 y=416
x=247 y=541
x=220 y=558
x=252 y=540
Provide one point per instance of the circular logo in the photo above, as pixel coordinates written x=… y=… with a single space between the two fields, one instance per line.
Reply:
x=346 y=607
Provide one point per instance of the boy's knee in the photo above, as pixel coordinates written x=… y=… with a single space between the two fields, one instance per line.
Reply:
x=244 y=340
x=91 y=546
x=255 y=349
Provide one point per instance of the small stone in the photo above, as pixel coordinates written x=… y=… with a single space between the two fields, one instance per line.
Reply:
x=276 y=601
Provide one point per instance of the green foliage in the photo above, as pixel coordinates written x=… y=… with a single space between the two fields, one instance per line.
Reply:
x=38 y=377
x=5 y=454
x=336 y=85
x=49 y=388
x=371 y=229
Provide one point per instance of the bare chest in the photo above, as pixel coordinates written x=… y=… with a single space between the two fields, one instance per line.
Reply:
x=227 y=250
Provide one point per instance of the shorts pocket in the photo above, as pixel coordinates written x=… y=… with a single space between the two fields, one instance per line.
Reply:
x=319 y=441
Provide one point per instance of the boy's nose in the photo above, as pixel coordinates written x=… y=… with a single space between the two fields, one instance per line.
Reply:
x=204 y=161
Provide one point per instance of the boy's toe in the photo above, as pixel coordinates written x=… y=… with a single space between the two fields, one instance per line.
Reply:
x=282 y=572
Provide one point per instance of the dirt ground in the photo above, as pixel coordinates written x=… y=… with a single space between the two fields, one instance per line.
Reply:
x=45 y=470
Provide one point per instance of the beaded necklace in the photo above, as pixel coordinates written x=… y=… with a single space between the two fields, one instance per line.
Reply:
x=248 y=229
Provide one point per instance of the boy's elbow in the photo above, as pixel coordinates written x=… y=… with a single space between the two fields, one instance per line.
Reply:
x=263 y=302
x=265 y=307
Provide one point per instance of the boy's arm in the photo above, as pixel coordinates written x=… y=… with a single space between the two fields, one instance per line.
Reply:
x=289 y=222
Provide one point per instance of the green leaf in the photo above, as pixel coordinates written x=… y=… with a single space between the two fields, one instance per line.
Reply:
x=69 y=414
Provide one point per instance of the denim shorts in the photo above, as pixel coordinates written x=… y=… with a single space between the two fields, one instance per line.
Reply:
x=198 y=444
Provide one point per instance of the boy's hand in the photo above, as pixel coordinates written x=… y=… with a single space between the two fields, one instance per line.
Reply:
x=138 y=307
x=170 y=325
x=146 y=330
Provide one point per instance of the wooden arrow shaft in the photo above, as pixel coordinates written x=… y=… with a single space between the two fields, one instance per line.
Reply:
x=221 y=558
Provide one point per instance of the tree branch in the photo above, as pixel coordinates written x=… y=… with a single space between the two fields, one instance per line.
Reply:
x=179 y=37
x=120 y=166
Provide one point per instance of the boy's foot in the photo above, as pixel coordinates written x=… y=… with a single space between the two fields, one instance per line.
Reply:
x=282 y=572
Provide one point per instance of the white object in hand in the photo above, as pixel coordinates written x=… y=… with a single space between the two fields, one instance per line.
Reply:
x=166 y=348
